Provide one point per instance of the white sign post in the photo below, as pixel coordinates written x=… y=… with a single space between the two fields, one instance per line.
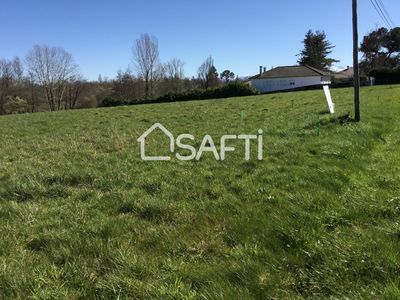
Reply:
x=329 y=99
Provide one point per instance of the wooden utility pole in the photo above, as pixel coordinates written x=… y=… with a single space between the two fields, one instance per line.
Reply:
x=355 y=64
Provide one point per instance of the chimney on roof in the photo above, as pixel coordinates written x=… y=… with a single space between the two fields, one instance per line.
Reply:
x=265 y=69
x=261 y=70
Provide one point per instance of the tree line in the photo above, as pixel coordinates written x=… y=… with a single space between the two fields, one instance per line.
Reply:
x=51 y=76
x=154 y=78
x=49 y=79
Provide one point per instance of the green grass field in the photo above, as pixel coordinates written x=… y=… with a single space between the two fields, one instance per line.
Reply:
x=82 y=217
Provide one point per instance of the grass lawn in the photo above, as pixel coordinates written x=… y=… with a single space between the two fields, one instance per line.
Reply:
x=81 y=216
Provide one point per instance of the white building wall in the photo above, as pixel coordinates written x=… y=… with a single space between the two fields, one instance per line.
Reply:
x=265 y=85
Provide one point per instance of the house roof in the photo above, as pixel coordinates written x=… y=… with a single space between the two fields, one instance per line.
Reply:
x=347 y=73
x=291 y=71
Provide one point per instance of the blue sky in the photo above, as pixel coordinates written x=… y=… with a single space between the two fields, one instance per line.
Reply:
x=240 y=35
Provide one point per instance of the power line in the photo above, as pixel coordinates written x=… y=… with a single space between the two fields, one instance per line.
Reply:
x=383 y=13
x=387 y=14
x=379 y=11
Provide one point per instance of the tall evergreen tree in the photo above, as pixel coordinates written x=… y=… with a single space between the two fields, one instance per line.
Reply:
x=316 y=51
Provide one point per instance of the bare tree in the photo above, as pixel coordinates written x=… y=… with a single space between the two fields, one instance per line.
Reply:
x=11 y=81
x=6 y=80
x=207 y=73
x=174 y=76
x=6 y=70
x=146 y=56
x=52 y=68
x=174 y=69
x=127 y=87
x=18 y=69
x=32 y=94
x=74 y=90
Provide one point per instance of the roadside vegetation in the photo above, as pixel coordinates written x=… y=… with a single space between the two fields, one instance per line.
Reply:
x=81 y=216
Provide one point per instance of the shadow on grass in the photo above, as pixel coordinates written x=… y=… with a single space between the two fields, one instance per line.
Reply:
x=340 y=120
x=324 y=112
x=150 y=213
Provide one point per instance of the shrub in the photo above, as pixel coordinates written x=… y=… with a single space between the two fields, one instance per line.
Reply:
x=110 y=101
x=348 y=82
x=236 y=89
x=386 y=76
x=15 y=105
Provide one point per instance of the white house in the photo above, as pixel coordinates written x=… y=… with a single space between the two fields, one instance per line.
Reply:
x=287 y=78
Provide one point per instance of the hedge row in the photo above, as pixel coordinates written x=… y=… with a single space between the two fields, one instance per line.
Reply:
x=236 y=89
x=386 y=76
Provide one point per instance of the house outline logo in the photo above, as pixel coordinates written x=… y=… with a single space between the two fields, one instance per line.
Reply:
x=142 y=140
x=207 y=145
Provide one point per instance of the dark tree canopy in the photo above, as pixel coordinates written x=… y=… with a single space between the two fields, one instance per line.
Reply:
x=381 y=50
x=316 y=51
x=227 y=75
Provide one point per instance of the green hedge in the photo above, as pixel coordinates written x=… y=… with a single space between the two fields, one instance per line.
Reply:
x=236 y=89
x=386 y=76
x=110 y=102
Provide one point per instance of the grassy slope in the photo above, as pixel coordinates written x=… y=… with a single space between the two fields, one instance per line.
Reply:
x=82 y=216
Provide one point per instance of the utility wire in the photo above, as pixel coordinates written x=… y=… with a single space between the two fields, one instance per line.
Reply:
x=387 y=14
x=383 y=13
x=380 y=13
